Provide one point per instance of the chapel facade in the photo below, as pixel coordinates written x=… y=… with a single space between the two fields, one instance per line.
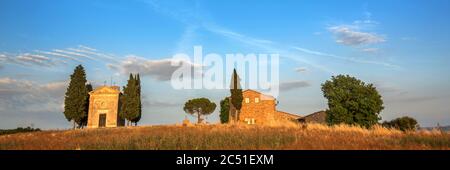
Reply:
x=104 y=106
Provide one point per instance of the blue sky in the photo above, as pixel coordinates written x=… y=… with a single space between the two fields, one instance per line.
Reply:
x=402 y=47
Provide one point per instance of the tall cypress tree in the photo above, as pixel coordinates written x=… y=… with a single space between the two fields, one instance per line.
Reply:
x=123 y=103
x=84 y=121
x=76 y=97
x=128 y=108
x=236 y=94
x=137 y=99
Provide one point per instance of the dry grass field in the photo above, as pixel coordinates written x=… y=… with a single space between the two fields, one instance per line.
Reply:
x=229 y=137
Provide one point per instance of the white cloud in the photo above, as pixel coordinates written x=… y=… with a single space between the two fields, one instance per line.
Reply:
x=161 y=69
x=348 y=36
x=301 y=69
x=26 y=102
x=24 y=95
x=285 y=86
x=370 y=50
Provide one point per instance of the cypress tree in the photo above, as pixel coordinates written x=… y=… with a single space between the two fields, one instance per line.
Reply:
x=123 y=103
x=84 y=120
x=76 y=97
x=127 y=103
x=131 y=100
x=137 y=99
x=236 y=94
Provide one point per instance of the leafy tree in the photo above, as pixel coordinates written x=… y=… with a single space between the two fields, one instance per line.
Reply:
x=224 y=110
x=236 y=94
x=199 y=107
x=76 y=97
x=403 y=123
x=351 y=101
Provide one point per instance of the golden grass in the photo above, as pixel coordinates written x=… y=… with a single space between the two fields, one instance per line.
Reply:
x=230 y=137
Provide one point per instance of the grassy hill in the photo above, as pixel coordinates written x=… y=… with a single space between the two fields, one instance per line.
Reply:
x=313 y=136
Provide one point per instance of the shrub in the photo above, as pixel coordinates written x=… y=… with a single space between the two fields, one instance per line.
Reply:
x=403 y=123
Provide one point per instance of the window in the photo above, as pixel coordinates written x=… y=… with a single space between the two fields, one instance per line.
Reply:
x=249 y=121
x=256 y=100
x=247 y=100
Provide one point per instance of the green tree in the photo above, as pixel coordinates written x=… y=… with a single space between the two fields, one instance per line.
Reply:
x=76 y=97
x=129 y=108
x=137 y=99
x=403 y=123
x=224 y=110
x=85 y=119
x=351 y=101
x=199 y=107
x=236 y=94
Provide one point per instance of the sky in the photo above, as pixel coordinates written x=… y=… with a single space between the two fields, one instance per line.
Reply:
x=402 y=47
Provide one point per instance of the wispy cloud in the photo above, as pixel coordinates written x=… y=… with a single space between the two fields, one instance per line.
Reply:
x=92 y=52
x=267 y=45
x=348 y=36
x=87 y=48
x=74 y=54
x=186 y=40
x=60 y=55
x=57 y=57
x=345 y=58
x=192 y=19
x=29 y=59
x=35 y=59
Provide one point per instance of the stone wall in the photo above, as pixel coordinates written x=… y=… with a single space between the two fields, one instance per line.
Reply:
x=255 y=110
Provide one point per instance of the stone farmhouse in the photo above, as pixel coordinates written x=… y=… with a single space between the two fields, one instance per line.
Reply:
x=104 y=106
x=316 y=117
x=258 y=108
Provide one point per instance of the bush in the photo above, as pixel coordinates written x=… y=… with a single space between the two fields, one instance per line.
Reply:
x=403 y=123
x=18 y=130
